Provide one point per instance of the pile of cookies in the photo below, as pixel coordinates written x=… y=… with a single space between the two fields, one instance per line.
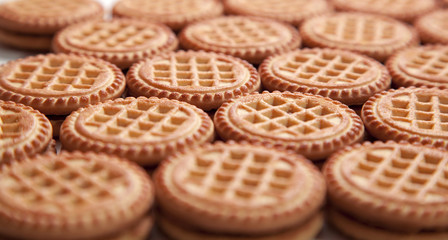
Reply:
x=232 y=119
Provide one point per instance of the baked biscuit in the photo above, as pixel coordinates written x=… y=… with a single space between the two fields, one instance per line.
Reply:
x=311 y=125
x=239 y=191
x=26 y=41
x=57 y=84
x=250 y=38
x=119 y=41
x=174 y=13
x=404 y=10
x=24 y=132
x=372 y=35
x=433 y=27
x=420 y=66
x=290 y=11
x=199 y=78
x=341 y=75
x=412 y=114
x=72 y=196
x=144 y=130
x=389 y=191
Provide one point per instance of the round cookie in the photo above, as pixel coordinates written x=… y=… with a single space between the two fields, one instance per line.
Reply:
x=311 y=125
x=239 y=189
x=420 y=66
x=144 y=130
x=24 y=132
x=119 y=41
x=250 y=38
x=433 y=26
x=57 y=84
x=175 y=14
x=199 y=78
x=372 y=35
x=341 y=75
x=26 y=41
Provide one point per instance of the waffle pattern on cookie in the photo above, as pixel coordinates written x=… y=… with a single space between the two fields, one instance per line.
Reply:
x=242 y=178
x=144 y=130
x=433 y=26
x=47 y=8
x=58 y=192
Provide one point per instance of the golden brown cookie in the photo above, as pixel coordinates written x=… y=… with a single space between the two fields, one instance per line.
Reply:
x=199 y=78
x=420 y=66
x=119 y=41
x=232 y=190
x=46 y=17
x=404 y=10
x=24 y=132
x=341 y=75
x=57 y=84
x=26 y=41
x=290 y=11
x=311 y=125
x=144 y=130
x=372 y=35
x=250 y=38
x=409 y=114
x=390 y=190
x=433 y=27
x=55 y=196
x=175 y=14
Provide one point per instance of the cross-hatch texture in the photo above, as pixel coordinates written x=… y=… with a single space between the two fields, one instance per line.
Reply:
x=327 y=68
x=47 y=8
x=401 y=171
x=357 y=29
x=114 y=36
x=279 y=6
x=185 y=71
x=138 y=119
x=431 y=62
x=237 y=32
x=420 y=111
x=54 y=75
x=280 y=116
x=387 y=5
x=168 y=7
x=62 y=185
x=241 y=175
x=10 y=126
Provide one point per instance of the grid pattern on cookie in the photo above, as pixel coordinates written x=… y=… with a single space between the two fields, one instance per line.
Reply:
x=280 y=116
x=115 y=35
x=55 y=74
x=281 y=6
x=138 y=120
x=359 y=29
x=194 y=71
x=325 y=67
x=240 y=31
x=168 y=7
x=241 y=175
x=430 y=62
x=48 y=8
x=10 y=126
x=420 y=111
x=64 y=185
x=403 y=171
x=385 y=5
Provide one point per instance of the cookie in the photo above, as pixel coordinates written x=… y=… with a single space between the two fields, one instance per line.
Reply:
x=239 y=191
x=420 y=66
x=291 y=11
x=56 y=122
x=311 y=125
x=341 y=75
x=404 y=10
x=175 y=14
x=26 y=41
x=199 y=78
x=417 y=115
x=144 y=130
x=119 y=41
x=57 y=84
x=389 y=191
x=433 y=26
x=72 y=196
x=24 y=132
x=46 y=17
x=372 y=35
x=250 y=38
